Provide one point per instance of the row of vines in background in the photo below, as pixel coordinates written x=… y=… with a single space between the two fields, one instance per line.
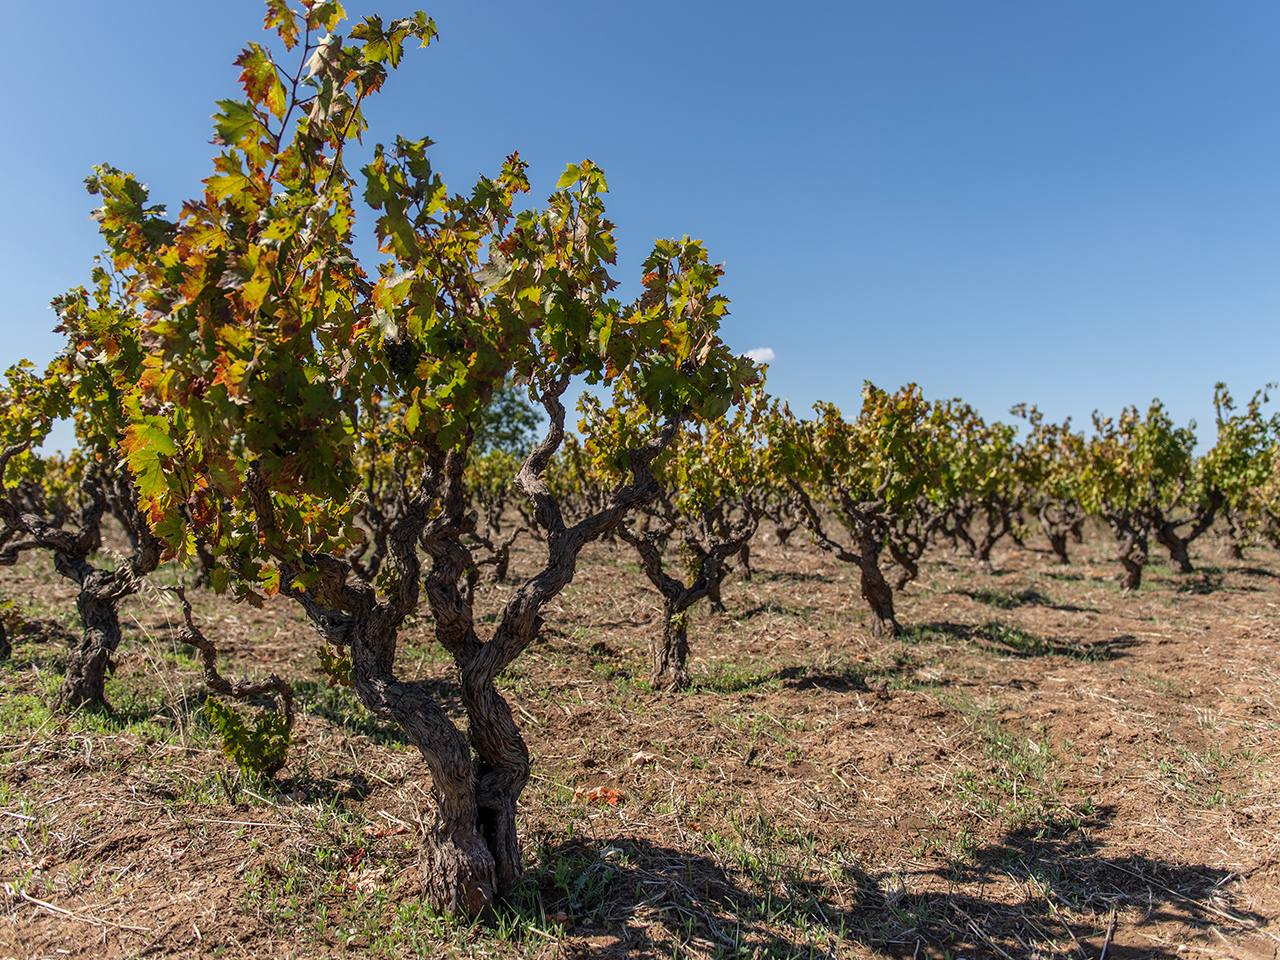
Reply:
x=252 y=405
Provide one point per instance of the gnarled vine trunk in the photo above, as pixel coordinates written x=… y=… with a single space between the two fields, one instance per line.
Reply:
x=1055 y=521
x=869 y=528
x=671 y=649
x=999 y=518
x=712 y=540
x=1167 y=536
x=875 y=589
x=1131 y=547
x=1166 y=530
x=471 y=858
x=100 y=591
x=85 y=681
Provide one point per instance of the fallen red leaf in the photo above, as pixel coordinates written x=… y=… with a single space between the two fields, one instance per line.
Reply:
x=598 y=795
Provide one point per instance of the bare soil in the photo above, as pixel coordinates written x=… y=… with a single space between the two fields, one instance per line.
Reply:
x=1043 y=766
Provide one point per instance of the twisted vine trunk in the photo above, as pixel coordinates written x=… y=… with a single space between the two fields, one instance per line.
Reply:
x=471 y=857
x=1201 y=519
x=85 y=681
x=1234 y=534
x=869 y=528
x=999 y=523
x=875 y=589
x=1057 y=520
x=1167 y=536
x=97 y=601
x=906 y=571
x=1058 y=543
x=714 y=600
x=1131 y=544
x=100 y=594
x=671 y=650
x=958 y=531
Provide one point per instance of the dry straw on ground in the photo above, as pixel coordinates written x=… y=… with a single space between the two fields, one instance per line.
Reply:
x=1043 y=767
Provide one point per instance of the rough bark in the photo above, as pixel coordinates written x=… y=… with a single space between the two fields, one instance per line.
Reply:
x=101 y=591
x=714 y=600
x=711 y=543
x=671 y=650
x=471 y=854
x=875 y=589
x=869 y=528
x=1131 y=546
x=100 y=595
x=90 y=661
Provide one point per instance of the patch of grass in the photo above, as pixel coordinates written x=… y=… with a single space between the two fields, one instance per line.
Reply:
x=340 y=707
x=1007 y=599
x=733 y=677
x=1021 y=781
x=1019 y=640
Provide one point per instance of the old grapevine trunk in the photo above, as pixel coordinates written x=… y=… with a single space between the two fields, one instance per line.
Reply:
x=712 y=544
x=875 y=589
x=100 y=591
x=999 y=522
x=1167 y=536
x=84 y=683
x=869 y=530
x=1131 y=548
x=671 y=650
x=471 y=856
x=462 y=872
x=99 y=598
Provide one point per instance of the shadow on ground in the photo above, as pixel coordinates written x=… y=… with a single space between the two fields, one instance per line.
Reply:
x=1009 y=640
x=1007 y=600
x=631 y=897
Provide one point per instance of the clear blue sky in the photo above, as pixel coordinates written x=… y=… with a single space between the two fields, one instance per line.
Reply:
x=1073 y=204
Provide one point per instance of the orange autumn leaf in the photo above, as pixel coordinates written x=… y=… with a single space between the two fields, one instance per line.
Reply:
x=598 y=795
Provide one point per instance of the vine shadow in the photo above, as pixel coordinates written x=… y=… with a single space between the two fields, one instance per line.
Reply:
x=632 y=896
x=1010 y=640
x=1004 y=600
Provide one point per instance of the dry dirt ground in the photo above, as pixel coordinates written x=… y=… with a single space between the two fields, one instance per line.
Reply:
x=1042 y=767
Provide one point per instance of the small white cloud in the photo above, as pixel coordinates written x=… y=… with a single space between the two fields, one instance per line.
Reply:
x=761 y=355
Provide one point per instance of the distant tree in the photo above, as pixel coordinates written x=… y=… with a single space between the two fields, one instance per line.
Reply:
x=510 y=423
